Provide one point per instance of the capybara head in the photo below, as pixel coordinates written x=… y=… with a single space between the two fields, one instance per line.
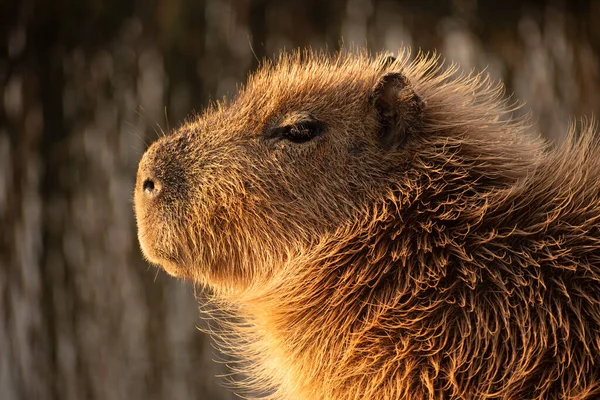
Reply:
x=300 y=151
x=311 y=143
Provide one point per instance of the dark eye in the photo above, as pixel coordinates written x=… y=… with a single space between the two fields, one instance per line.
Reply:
x=300 y=132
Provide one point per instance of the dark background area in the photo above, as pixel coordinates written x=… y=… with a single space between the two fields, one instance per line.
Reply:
x=85 y=85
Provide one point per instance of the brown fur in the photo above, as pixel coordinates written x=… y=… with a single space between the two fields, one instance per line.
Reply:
x=424 y=246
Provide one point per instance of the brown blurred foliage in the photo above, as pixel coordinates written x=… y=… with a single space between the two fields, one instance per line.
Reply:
x=86 y=85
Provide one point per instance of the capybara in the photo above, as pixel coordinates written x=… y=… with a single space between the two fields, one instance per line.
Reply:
x=384 y=228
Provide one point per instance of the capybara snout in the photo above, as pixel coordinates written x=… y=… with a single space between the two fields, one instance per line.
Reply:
x=162 y=170
x=161 y=192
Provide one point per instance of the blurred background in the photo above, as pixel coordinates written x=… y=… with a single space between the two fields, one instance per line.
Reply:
x=86 y=85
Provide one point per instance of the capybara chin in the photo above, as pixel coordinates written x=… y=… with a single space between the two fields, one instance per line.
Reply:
x=384 y=229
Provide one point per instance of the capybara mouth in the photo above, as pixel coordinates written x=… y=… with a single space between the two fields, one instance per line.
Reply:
x=158 y=256
x=157 y=249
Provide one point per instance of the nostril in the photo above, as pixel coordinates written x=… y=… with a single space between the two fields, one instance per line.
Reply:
x=150 y=187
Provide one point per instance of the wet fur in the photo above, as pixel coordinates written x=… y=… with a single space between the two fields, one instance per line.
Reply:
x=463 y=262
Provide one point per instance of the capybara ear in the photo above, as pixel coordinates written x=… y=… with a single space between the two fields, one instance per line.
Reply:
x=399 y=109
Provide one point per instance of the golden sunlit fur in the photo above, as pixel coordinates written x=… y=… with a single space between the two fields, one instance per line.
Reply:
x=423 y=246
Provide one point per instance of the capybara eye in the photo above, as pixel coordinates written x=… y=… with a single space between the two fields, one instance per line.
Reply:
x=301 y=132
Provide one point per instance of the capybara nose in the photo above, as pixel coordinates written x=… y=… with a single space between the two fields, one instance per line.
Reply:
x=151 y=186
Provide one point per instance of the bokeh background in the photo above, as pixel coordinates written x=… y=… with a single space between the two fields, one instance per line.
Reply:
x=85 y=85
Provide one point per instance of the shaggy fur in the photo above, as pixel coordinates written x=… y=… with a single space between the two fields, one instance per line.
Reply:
x=422 y=245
